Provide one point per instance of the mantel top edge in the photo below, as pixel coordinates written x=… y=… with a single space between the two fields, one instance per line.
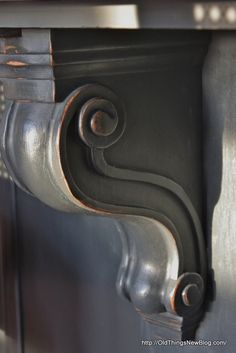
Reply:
x=118 y=15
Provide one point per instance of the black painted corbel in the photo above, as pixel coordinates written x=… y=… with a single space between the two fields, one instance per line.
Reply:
x=62 y=152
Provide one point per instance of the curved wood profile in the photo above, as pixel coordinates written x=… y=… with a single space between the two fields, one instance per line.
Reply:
x=154 y=272
x=71 y=155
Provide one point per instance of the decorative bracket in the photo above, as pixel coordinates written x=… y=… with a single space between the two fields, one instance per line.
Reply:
x=62 y=153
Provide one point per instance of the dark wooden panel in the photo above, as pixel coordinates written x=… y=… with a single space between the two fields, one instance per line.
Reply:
x=10 y=328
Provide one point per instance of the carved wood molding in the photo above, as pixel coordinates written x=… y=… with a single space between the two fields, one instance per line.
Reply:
x=69 y=152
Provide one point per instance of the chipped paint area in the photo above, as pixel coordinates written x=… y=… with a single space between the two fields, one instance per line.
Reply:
x=16 y=63
x=11 y=49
